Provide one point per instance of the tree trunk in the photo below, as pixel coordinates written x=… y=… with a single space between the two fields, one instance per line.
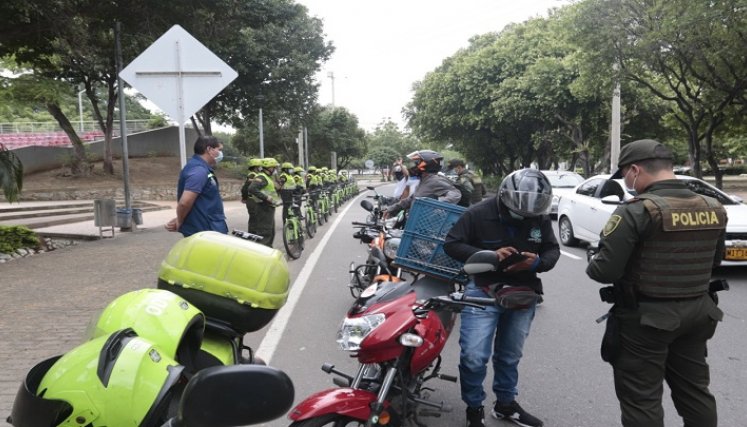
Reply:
x=79 y=164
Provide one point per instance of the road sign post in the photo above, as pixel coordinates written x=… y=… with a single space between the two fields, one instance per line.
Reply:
x=180 y=75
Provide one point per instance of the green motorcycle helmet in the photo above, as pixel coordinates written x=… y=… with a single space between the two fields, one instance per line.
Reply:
x=113 y=380
x=161 y=317
x=312 y=169
x=254 y=163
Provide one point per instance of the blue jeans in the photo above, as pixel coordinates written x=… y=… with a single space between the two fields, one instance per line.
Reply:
x=494 y=329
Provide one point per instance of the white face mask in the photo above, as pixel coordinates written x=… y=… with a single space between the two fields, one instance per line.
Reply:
x=625 y=181
x=219 y=157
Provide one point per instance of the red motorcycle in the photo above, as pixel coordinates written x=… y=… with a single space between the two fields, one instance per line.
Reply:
x=397 y=331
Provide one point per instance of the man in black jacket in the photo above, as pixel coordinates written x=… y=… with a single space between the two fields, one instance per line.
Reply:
x=514 y=222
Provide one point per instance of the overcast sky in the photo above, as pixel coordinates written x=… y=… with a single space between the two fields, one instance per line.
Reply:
x=383 y=46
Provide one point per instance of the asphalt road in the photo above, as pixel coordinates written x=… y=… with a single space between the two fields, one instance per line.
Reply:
x=47 y=301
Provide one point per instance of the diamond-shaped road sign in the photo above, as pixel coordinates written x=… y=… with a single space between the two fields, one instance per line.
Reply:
x=178 y=74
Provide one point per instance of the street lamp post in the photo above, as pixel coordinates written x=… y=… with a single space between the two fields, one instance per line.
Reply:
x=80 y=108
x=260 y=99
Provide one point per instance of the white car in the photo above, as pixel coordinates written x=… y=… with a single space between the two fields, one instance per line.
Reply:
x=563 y=183
x=582 y=214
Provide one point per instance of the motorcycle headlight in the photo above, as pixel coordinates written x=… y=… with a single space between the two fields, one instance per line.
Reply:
x=390 y=247
x=354 y=330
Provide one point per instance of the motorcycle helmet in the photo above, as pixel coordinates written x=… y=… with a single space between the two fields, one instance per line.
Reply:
x=254 y=163
x=113 y=380
x=298 y=170
x=425 y=161
x=269 y=162
x=312 y=169
x=526 y=192
x=162 y=317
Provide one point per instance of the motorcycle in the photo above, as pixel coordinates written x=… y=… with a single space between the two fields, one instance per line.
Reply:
x=383 y=238
x=397 y=332
x=124 y=380
x=147 y=345
x=376 y=210
x=196 y=303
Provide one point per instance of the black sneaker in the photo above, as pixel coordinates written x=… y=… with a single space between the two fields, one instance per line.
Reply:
x=513 y=412
x=475 y=417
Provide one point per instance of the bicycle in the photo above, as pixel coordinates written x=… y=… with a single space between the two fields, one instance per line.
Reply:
x=293 y=232
x=324 y=206
x=310 y=218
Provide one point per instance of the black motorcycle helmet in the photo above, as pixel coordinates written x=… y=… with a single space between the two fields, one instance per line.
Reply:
x=526 y=192
x=425 y=161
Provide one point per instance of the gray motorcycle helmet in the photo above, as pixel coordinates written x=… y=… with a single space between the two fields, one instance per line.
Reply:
x=526 y=192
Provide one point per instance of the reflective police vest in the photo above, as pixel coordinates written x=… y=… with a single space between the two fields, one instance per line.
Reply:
x=269 y=189
x=290 y=182
x=676 y=261
x=299 y=181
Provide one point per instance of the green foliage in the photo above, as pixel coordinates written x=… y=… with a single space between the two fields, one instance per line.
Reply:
x=16 y=237
x=334 y=129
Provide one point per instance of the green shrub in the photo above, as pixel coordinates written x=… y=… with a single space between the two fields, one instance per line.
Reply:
x=14 y=237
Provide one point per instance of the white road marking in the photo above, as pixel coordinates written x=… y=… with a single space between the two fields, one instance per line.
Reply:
x=272 y=338
x=570 y=255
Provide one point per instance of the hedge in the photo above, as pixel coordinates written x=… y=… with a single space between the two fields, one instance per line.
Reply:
x=13 y=237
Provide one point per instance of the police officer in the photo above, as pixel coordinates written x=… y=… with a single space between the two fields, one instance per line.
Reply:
x=262 y=189
x=254 y=165
x=468 y=183
x=288 y=186
x=658 y=251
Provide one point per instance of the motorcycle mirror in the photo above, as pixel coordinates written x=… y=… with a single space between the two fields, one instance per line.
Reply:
x=365 y=204
x=236 y=395
x=481 y=262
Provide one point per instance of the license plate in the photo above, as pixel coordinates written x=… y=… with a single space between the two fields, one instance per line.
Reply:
x=736 y=254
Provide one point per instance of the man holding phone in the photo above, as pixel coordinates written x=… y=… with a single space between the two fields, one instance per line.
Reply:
x=515 y=224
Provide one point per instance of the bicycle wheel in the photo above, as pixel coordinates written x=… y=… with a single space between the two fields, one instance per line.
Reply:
x=291 y=240
x=310 y=223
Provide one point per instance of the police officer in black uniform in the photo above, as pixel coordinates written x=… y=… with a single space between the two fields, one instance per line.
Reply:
x=658 y=250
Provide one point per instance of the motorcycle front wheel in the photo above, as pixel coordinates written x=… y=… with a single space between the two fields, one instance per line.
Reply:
x=334 y=420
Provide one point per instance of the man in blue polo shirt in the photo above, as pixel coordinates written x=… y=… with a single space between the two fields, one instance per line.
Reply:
x=200 y=207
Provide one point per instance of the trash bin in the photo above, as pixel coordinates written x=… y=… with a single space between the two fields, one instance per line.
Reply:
x=104 y=213
x=124 y=218
x=137 y=216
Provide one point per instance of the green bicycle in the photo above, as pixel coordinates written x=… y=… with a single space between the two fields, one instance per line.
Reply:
x=293 y=231
x=324 y=211
x=310 y=218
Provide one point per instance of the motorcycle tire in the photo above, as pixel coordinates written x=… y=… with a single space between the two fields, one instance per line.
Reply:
x=326 y=216
x=292 y=240
x=310 y=226
x=333 y=420
x=319 y=218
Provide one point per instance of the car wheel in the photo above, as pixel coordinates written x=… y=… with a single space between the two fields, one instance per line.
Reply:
x=565 y=232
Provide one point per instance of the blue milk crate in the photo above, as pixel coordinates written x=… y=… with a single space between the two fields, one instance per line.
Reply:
x=421 y=248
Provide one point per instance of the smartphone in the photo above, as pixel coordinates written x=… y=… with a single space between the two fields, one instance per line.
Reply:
x=510 y=260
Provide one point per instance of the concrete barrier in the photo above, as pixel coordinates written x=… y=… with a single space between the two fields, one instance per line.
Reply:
x=158 y=142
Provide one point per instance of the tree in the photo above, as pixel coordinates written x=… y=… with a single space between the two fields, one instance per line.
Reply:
x=388 y=134
x=334 y=129
x=273 y=44
x=688 y=53
x=11 y=174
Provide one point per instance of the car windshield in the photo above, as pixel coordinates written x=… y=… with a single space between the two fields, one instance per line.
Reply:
x=565 y=180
